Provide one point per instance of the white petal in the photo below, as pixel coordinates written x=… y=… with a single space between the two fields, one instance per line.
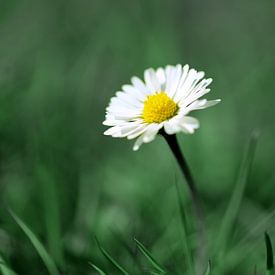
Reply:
x=210 y=103
x=196 y=92
x=151 y=81
x=161 y=75
x=139 y=85
x=132 y=91
x=193 y=97
x=198 y=83
x=151 y=132
x=120 y=108
x=148 y=136
x=184 y=124
x=193 y=106
x=120 y=102
x=189 y=85
x=140 y=130
x=128 y=99
x=171 y=127
x=169 y=71
x=202 y=104
x=122 y=130
x=110 y=122
x=187 y=129
x=138 y=143
x=110 y=131
x=172 y=86
x=120 y=111
x=124 y=116
x=189 y=124
x=125 y=130
x=184 y=74
x=191 y=76
x=184 y=86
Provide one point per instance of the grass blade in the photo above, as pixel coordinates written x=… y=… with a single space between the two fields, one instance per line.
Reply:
x=49 y=199
x=208 y=270
x=111 y=259
x=4 y=268
x=136 y=265
x=269 y=255
x=149 y=257
x=49 y=263
x=186 y=245
x=237 y=195
x=100 y=272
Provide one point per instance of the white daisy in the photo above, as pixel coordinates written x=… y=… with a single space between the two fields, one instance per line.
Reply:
x=164 y=100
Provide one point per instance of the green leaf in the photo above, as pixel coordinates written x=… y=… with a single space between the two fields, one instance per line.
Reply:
x=208 y=269
x=237 y=195
x=149 y=257
x=100 y=271
x=111 y=259
x=4 y=268
x=269 y=255
x=49 y=263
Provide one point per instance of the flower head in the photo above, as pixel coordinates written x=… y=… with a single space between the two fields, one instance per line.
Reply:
x=163 y=100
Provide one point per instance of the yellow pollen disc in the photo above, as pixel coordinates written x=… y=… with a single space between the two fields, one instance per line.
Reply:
x=159 y=107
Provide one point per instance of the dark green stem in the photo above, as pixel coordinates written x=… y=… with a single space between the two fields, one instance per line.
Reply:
x=174 y=146
x=186 y=172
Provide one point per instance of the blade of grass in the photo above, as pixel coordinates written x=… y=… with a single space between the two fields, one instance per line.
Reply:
x=208 y=269
x=49 y=199
x=253 y=231
x=111 y=259
x=149 y=257
x=133 y=253
x=100 y=272
x=4 y=268
x=155 y=273
x=49 y=263
x=186 y=245
x=45 y=169
x=269 y=256
x=237 y=195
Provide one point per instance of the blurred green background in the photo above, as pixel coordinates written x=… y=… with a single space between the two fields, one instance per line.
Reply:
x=61 y=61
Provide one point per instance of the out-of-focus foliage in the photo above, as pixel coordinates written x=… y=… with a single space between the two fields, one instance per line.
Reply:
x=61 y=61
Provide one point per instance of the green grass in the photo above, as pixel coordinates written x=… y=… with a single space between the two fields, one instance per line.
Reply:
x=4 y=268
x=46 y=258
x=60 y=62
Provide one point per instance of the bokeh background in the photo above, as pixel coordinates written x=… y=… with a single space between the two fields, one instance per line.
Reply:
x=61 y=61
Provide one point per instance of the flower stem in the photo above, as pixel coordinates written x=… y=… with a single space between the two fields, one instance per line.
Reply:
x=197 y=204
x=175 y=148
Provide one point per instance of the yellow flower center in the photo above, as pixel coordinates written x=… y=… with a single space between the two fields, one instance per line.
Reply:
x=159 y=107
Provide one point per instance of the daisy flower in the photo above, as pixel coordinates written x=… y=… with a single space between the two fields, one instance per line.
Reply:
x=162 y=101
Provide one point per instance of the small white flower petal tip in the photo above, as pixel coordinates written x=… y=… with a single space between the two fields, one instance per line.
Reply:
x=162 y=101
